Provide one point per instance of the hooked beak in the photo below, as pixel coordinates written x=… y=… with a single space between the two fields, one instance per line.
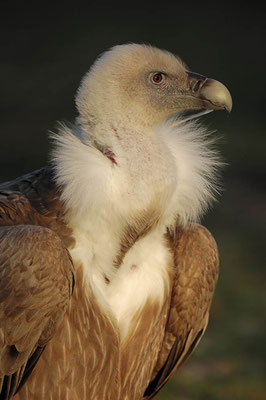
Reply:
x=209 y=93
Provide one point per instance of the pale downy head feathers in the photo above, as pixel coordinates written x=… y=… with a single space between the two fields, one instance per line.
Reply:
x=119 y=83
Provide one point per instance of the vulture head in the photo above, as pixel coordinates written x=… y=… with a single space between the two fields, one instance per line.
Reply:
x=145 y=85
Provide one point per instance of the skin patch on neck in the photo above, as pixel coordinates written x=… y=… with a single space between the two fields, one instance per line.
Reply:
x=109 y=154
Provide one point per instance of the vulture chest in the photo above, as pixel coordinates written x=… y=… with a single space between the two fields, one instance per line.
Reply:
x=89 y=360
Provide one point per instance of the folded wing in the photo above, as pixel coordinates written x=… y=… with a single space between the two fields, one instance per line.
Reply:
x=36 y=283
x=196 y=271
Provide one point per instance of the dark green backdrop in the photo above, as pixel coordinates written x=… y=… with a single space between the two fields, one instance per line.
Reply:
x=45 y=52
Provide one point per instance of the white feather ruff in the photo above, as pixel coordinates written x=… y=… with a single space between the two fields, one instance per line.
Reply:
x=90 y=182
x=197 y=168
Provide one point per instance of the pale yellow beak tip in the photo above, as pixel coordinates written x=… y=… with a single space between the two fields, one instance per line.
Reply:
x=217 y=93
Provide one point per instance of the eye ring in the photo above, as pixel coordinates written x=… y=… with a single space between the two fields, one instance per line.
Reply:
x=157 y=78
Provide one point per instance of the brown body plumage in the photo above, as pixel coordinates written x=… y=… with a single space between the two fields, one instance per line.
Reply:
x=84 y=351
x=58 y=337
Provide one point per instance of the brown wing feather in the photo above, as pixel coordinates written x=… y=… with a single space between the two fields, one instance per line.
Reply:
x=195 y=257
x=33 y=199
x=36 y=282
x=39 y=187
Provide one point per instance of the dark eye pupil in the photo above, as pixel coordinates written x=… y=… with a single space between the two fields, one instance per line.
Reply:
x=157 y=78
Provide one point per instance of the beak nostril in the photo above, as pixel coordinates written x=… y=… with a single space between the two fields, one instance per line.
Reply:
x=197 y=85
x=195 y=81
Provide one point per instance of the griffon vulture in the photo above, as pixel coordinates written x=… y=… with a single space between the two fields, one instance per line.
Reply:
x=106 y=279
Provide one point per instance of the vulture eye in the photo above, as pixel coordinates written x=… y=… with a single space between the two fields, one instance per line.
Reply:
x=157 y=78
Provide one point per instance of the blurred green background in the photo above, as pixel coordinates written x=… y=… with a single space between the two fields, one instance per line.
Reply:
x=45 y=52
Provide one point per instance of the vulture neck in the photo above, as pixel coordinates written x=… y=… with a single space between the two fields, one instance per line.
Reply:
x=116 y=186
x=121 y=183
